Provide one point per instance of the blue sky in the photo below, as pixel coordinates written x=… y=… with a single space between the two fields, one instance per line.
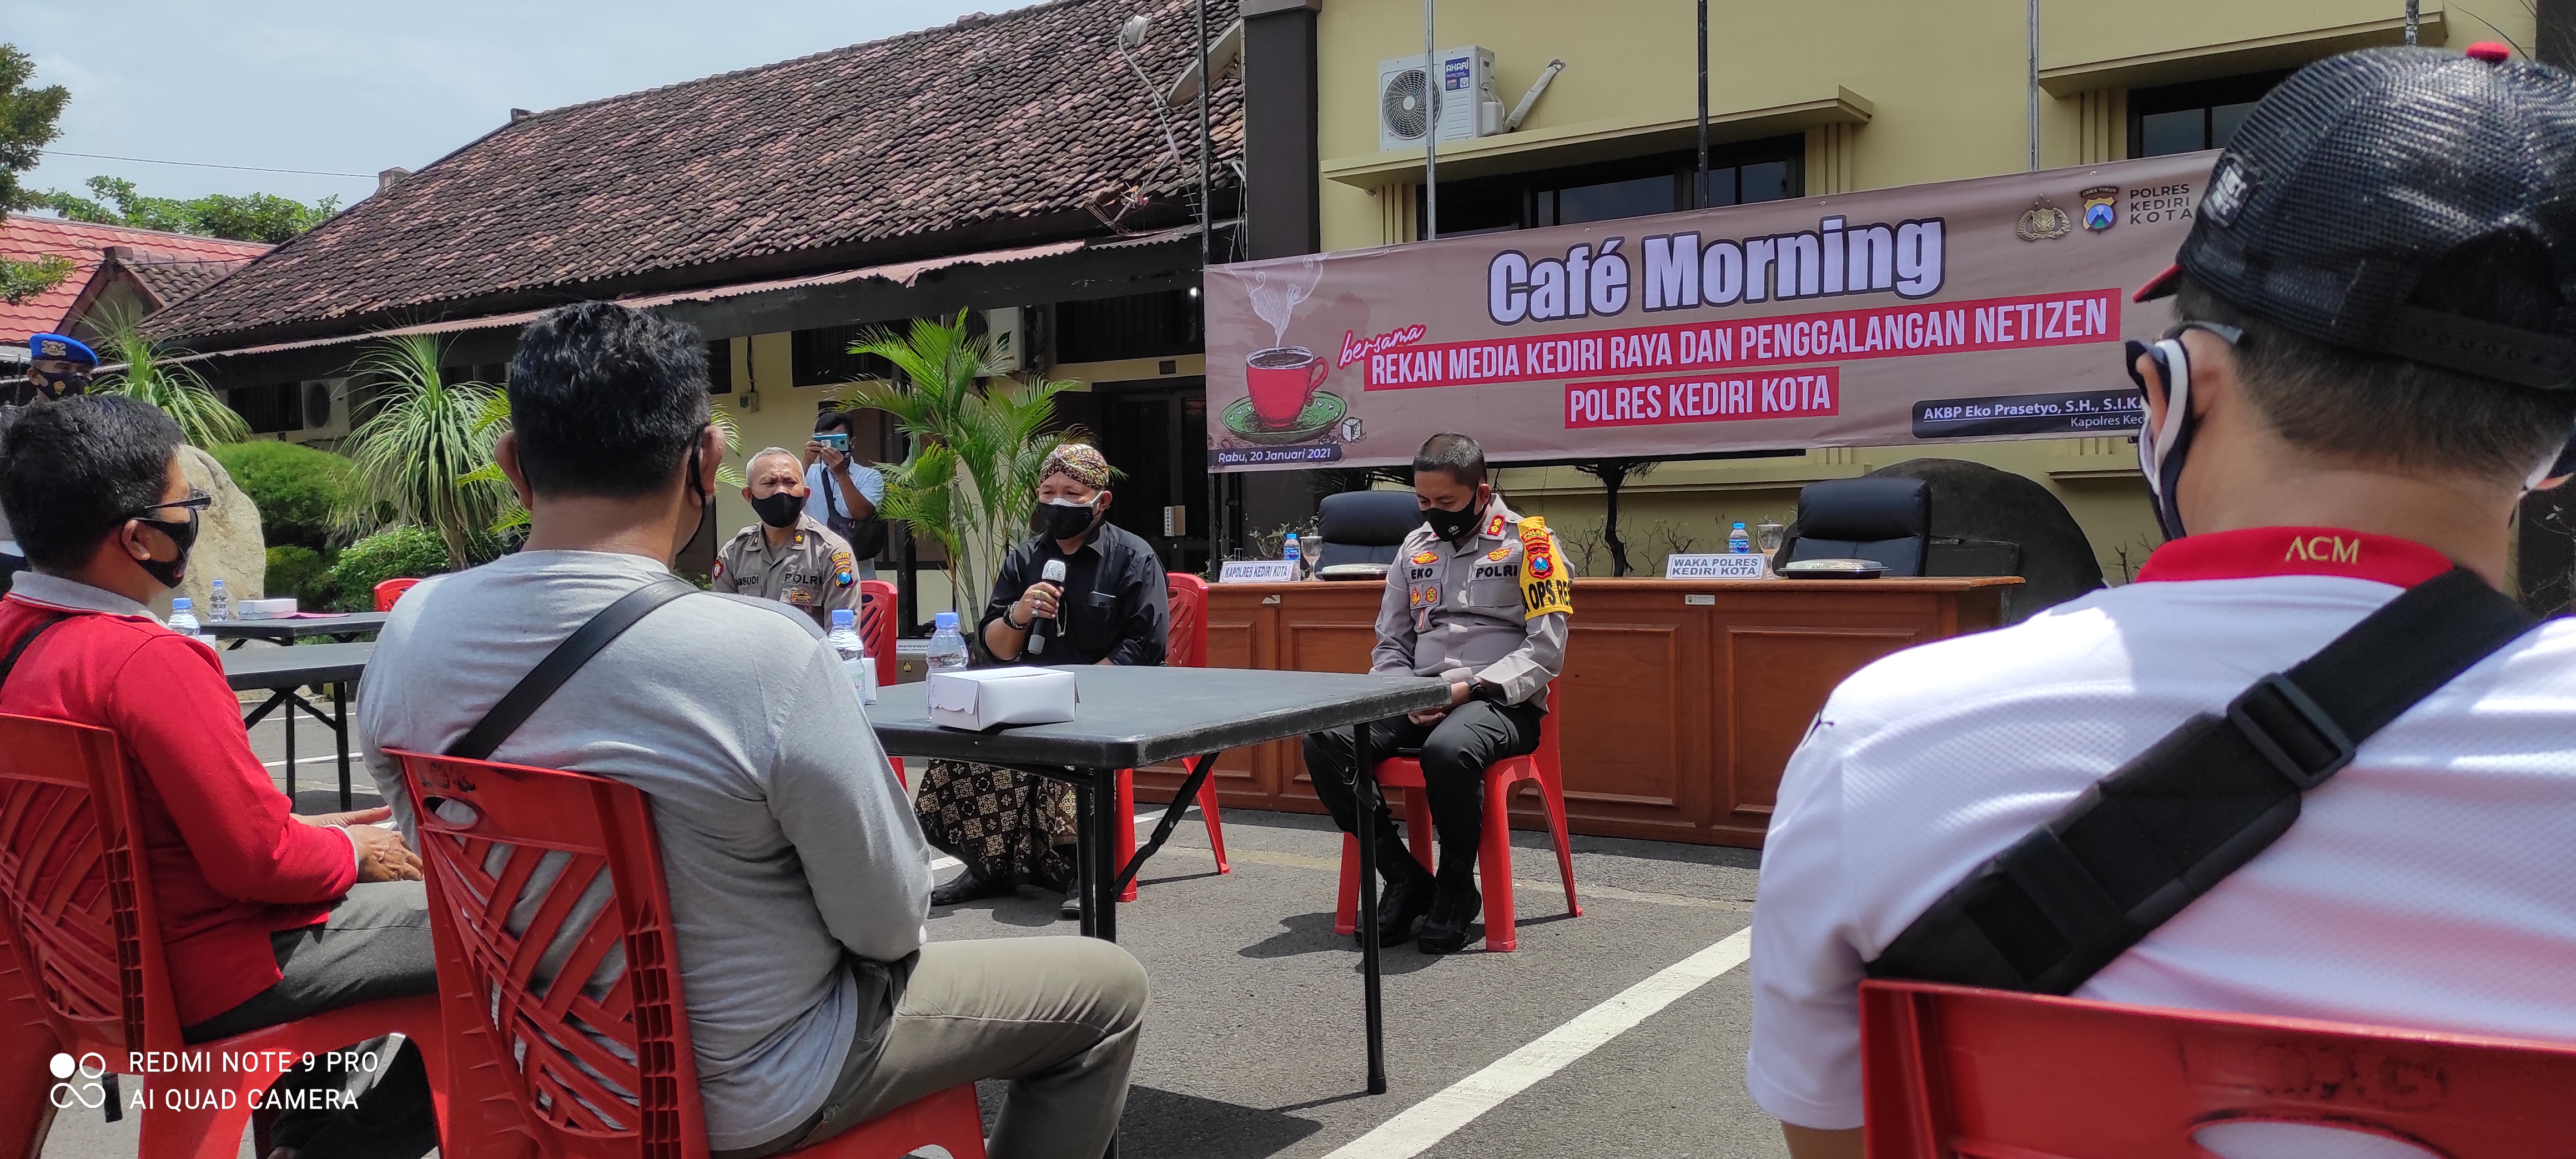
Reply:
x=355 y=86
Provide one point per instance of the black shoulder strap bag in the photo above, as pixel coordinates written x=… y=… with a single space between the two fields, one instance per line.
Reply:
x=541 y=681
x=2138 y=846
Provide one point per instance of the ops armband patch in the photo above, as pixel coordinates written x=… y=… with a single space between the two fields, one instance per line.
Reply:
x=1545 y=588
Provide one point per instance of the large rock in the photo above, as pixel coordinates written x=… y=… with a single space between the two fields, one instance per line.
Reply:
x=229 y=545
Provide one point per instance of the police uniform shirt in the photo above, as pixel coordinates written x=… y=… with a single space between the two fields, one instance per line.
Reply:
x=1460 y=613
x=1115 y=605
x=2428 y=885
x=813 y=571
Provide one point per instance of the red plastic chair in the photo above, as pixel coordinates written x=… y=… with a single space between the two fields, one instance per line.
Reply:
x=530 y=1049
x=90 y=979
x=1947 y=1070
x=876 y=626
x=1494 y=861
x=1185 y=647
x=391 y=590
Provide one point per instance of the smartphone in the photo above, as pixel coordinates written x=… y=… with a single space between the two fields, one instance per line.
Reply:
x=839 y=441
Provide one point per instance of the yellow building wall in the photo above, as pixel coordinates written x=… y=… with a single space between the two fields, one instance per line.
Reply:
x=1907 y=91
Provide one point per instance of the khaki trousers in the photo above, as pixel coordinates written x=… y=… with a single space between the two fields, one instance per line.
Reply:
x=1057 y=1017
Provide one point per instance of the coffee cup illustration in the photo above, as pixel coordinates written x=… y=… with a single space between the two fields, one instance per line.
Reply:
x=1282 y=380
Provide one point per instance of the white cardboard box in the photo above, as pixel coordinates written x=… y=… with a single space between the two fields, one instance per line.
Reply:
x=987 y=697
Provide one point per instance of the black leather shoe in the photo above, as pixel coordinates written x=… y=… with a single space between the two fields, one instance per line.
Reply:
x=1070 y=909
x=1453 y=909
x=1401 y=904
x=969 y=886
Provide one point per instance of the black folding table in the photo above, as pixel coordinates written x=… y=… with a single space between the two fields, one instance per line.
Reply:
x=1132 y=717
x=287 y=631
x=281 y=671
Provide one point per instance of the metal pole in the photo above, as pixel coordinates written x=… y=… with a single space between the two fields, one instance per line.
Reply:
x=1372 y=997
x=1699 y=189
x=1430 y=140
x=2034 y=86
x=1207 y=234
x=1207 y=226
x=2414 y=20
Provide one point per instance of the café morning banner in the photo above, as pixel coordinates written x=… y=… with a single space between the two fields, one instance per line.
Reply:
x=1984 y=309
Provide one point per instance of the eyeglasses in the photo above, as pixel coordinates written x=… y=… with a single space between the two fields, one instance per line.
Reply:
x=2231 y=335
x=197 y=500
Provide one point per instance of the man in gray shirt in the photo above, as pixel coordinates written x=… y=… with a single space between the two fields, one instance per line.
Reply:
x=797 y=874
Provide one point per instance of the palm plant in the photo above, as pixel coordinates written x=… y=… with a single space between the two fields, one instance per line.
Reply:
x=495 y=419
x=970 y=472
x=424 y=451
x=152 y=372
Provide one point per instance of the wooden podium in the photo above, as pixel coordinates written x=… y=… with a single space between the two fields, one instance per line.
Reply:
x=1681 y=699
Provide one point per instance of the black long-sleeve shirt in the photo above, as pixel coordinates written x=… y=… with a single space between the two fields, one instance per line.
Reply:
x=1114 y=604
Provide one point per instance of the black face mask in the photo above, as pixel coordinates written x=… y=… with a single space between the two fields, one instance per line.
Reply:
x=1061 y=520
x=1453 y=526
x=184 y=537
x=55 y=387
x=779 y=510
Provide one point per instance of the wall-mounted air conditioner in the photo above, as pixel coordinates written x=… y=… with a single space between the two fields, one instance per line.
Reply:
x=325 y=405
x=1464 y=102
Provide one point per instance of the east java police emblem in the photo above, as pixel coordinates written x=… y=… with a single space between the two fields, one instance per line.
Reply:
x=2101 y=207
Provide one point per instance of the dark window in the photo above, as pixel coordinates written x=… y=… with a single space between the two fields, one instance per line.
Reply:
x=720 y=366
x=1767 y=170
x=488 y=373
x=822 y=357
x=1158 y=325
x=2188 y=118
x=270 y=409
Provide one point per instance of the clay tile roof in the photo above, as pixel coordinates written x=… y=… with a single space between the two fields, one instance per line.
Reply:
x=991 y=131
x=25 y=238
x=171 y=278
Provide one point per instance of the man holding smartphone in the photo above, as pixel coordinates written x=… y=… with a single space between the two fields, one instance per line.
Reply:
x=842 y=493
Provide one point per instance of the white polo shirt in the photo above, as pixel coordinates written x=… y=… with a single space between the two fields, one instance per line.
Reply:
x=2430 y=884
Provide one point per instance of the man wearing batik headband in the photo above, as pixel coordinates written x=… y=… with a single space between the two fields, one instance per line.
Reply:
x=1109 y=608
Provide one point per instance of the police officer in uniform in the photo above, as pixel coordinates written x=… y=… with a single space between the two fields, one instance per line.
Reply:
x=1478 y=596
x=57 y=365
x=787 y=556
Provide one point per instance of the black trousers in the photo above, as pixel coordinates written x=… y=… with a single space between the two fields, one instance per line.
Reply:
x=1455 y=751
x=374 y=945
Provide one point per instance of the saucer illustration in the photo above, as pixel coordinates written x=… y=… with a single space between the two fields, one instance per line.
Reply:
x=1323 y=412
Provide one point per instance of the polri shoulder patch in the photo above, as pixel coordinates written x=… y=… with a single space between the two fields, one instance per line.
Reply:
x=1545 y=589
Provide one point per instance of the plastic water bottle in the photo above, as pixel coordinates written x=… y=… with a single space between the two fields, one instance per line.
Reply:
x=845 y=639
x=1737 y=542
x=183 y=617
x=219 y=606
x=1288 y=550
x=947 y=648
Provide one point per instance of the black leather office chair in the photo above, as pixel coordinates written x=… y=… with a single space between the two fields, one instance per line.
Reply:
x=1992 y=522
x=1884 y=519
x=1365 y=526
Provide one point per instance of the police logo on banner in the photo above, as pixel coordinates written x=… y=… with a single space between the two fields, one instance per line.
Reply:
x=2101 y=207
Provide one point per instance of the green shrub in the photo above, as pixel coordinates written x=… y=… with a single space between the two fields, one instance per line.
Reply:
x=295 y=487
x=395 y=553
x=300 y=572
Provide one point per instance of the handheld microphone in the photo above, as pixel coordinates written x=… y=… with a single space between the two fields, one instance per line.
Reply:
x=1054 y=574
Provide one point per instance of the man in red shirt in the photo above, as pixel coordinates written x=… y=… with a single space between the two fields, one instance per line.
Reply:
x=268 y=916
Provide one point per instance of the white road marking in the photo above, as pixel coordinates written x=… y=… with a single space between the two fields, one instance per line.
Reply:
x=1425 y=1123
x=324 y=759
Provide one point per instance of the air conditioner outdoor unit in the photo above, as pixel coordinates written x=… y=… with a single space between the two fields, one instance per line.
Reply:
x=1465 y=103
x=325 y=411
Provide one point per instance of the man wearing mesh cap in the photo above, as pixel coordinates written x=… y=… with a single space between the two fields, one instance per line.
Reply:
x=2375 y=358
